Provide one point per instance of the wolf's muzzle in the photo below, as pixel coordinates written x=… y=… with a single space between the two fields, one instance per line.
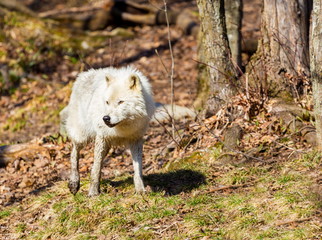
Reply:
x=107 y=121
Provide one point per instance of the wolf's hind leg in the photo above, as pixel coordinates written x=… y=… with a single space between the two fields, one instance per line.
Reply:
x=136 y=152
x=100 y=151
x=73 y=183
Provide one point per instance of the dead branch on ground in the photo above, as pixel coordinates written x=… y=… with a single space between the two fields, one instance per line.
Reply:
x=111 y=12
x=26 y=151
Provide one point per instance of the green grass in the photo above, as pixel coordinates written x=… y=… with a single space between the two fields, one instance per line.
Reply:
x=273 y=194
x=5 y=213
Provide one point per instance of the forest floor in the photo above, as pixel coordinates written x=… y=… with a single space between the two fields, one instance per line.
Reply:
x=269 y=188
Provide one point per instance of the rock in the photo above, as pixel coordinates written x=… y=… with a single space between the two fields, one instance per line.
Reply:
x=40 y=163
x=292 y=116
x=310 y=137
x=232 y=137
x=26 y=182
x=278 y=105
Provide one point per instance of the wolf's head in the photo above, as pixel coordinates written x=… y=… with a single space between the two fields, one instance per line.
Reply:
x=125 y=100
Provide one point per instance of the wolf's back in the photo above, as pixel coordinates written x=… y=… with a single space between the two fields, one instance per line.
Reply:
x=82 y=87
x=63 y=118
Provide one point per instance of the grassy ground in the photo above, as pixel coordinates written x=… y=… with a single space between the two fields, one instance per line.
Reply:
x=192 y=198
x=196 y=197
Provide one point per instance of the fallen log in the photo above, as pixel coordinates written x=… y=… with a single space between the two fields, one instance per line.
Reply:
x=17 y=6
x=26 y=151
x=111 y=12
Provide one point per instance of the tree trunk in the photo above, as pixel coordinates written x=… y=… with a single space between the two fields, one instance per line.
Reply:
x=216 y=72
x=316 y=66
x=282 y=57
x=233 y=15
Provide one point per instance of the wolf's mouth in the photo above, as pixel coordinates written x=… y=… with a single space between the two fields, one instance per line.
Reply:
x=111 y=125
x=107 y=121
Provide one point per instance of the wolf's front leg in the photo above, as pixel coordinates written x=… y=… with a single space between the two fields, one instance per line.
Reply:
x=73 y=183
x=100 y=151
x=136 y=152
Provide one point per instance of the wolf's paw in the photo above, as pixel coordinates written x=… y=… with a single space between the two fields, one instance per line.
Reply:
x=93 y=193
x=139 y=186
x=94 y=190
x=73 y=187
x=139 y=189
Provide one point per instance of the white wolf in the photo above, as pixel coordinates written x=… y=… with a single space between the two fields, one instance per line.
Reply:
x=113 y=107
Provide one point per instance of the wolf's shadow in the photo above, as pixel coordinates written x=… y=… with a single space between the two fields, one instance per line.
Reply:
x=172 y=183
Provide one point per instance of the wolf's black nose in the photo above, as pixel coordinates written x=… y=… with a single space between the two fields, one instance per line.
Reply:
x=107 y=119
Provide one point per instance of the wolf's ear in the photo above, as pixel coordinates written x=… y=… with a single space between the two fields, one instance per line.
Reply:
x=135 y=82
x=107 y=79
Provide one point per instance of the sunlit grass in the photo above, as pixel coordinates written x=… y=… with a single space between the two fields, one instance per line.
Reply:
x=261 y=209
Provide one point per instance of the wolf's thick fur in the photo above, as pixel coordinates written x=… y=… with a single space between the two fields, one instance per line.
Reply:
x=113 y=107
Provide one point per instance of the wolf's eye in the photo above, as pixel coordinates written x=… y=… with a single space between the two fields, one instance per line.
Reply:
x=107 y=102
x=120 y=102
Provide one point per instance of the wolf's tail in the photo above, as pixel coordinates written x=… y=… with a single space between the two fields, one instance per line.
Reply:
x=164 y=112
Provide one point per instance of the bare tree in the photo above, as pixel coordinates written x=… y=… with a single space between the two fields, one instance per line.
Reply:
x=316 y=66
x=233 y=15
x=282 y=53
x=216 y=73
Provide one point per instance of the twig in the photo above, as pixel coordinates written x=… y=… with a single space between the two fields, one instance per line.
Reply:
x=172 y=120
x=146 y=201
x=142 y=6
x=247 y=87
x=165 y=68
x=237 y=67
x=227 y=187
x=123 y=51
x=172 y=136
x=83 y=61
x=112 y=58
x=165 y=229
x=221 y=72
x=213 y=67
x=52 y=13
x=233 y=186
x=171 y=75
x=172 y=65
x=294 y=221
x=290 y=148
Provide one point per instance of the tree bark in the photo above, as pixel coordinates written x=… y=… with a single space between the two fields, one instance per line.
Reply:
x=216 y=71
x=282 y=57
x=316 y=66
x=233 y=15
